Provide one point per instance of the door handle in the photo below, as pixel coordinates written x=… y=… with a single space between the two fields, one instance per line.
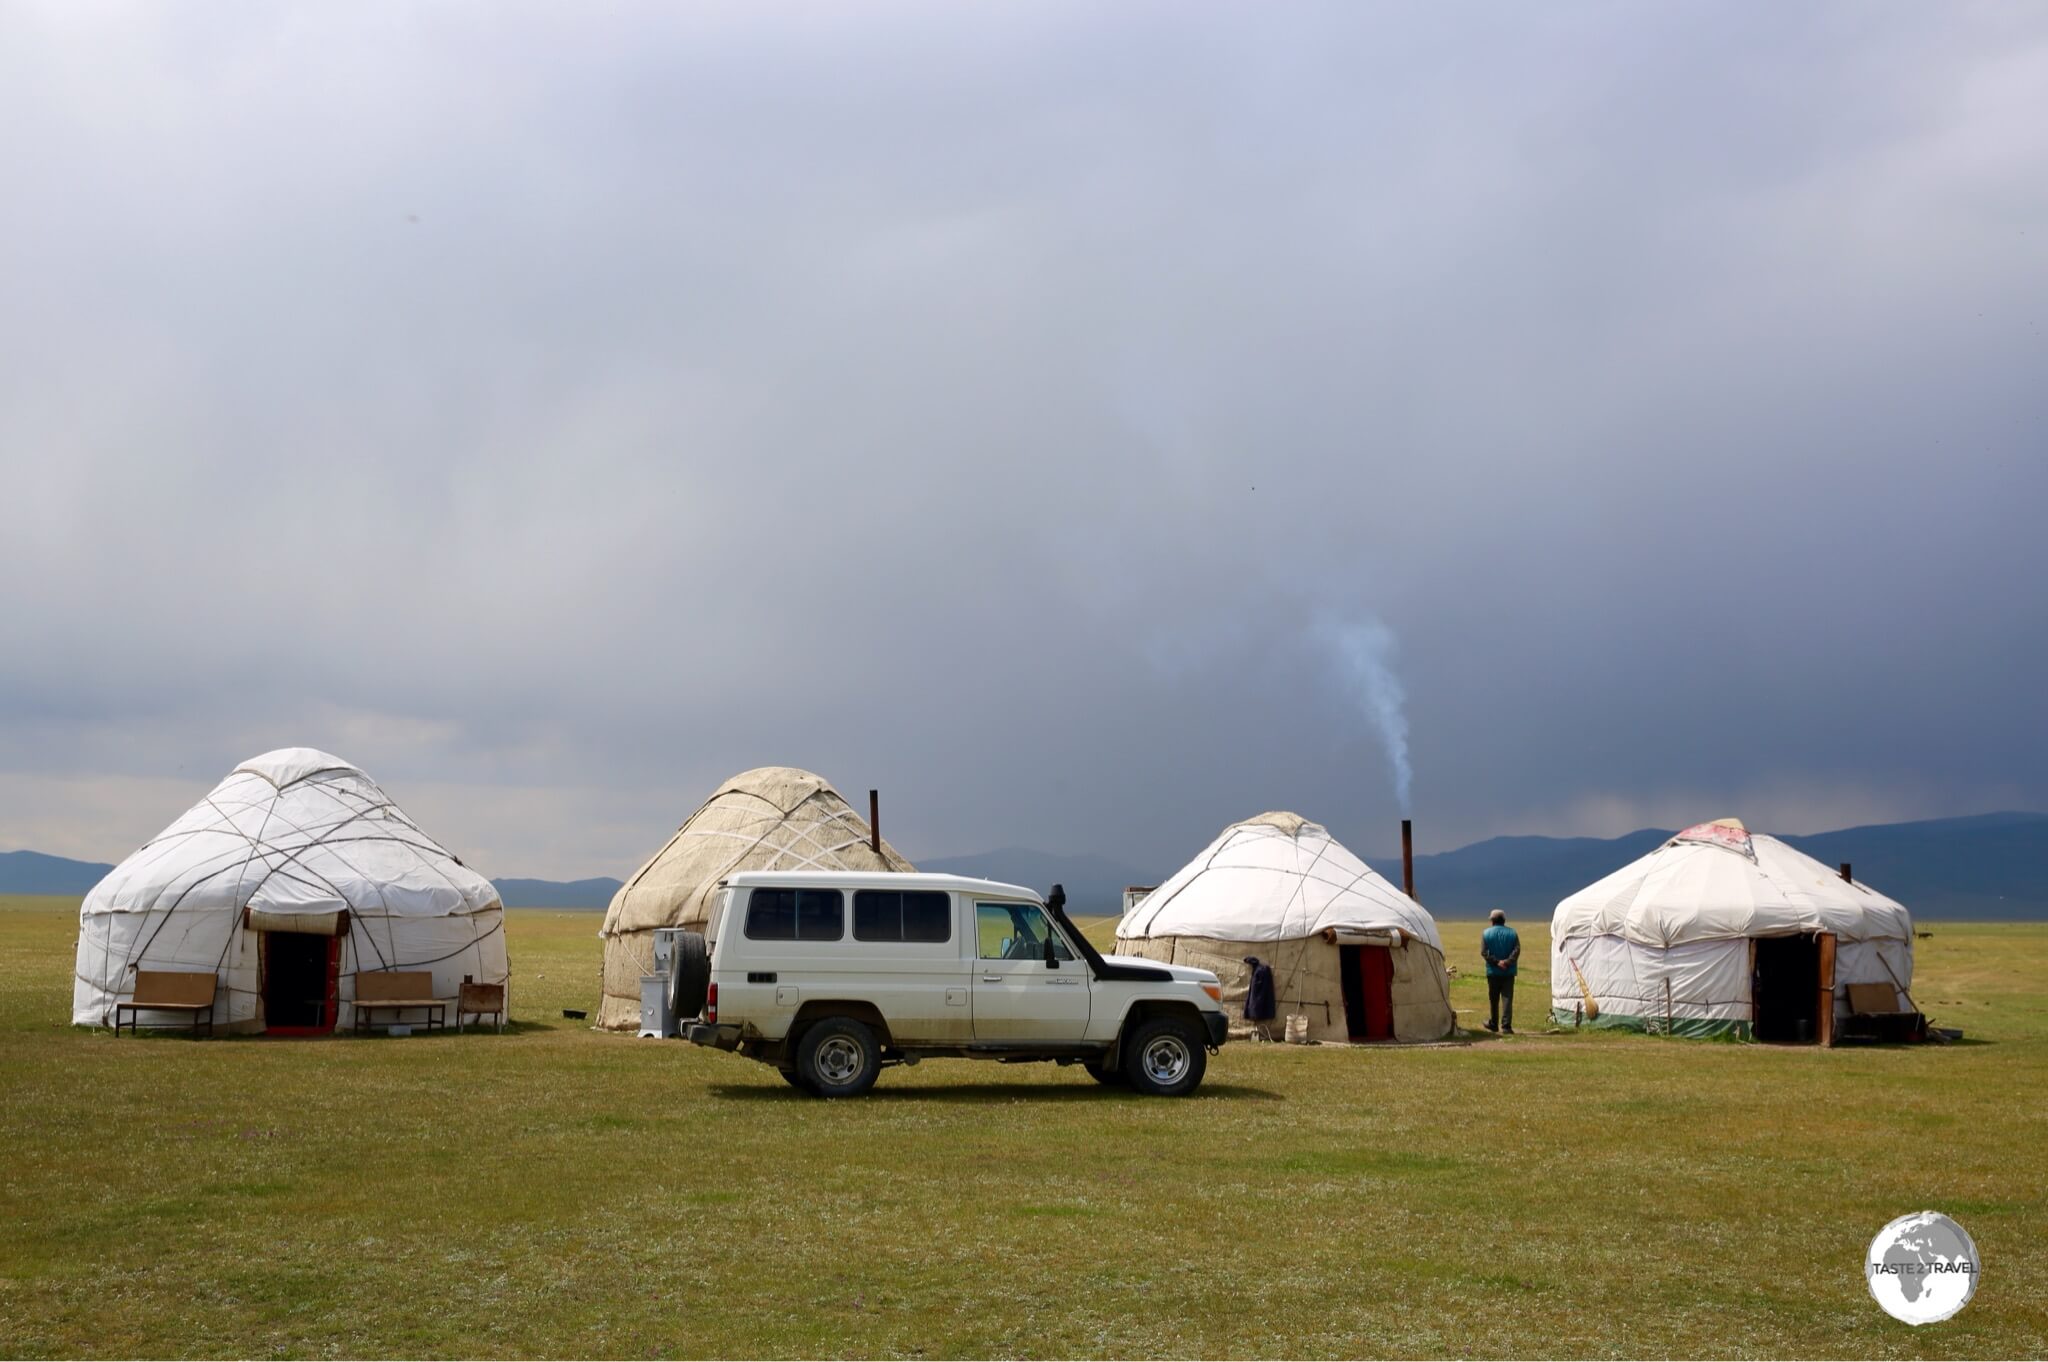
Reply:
x=991 y=978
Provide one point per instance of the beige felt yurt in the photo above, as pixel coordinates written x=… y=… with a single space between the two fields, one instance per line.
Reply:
x=769 y=818
x=1353 y=956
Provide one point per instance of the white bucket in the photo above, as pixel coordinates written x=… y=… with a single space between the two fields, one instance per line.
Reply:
x=1297 y=1029
x=398 y=1029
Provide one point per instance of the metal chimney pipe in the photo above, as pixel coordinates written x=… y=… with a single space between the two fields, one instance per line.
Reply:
x=875 y=821
x=1408 y=856
x=1845 y=872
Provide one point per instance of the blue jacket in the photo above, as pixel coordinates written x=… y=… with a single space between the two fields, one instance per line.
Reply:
x=1500 y=944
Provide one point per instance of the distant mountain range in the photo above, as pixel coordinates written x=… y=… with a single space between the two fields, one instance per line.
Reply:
x=595 y=893
x=31 y=872
x=1094 y=884
x=1989 y=867
x=1985 y=868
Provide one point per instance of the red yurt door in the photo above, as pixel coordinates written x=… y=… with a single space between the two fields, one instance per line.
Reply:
x=1376 y=980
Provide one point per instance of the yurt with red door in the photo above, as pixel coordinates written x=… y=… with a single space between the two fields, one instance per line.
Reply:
x=290 y=878
x=1351 y=954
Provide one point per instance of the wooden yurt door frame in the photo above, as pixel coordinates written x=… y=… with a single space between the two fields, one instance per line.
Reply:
x=1824 y=1024
x=1823 y=981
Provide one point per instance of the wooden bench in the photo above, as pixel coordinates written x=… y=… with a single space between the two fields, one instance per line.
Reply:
x=483 y=1000
x=1875 y=1014
x=399 y=991
x=159 y=990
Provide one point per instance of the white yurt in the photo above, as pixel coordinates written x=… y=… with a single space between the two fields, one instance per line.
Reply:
x=1351 y=953
x=769 y=818
x=1725 y=932
x=294 y=874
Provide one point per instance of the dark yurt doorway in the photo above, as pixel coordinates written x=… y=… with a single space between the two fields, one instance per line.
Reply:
x=301 y=983
x=1792 y=988
x=1368 y=991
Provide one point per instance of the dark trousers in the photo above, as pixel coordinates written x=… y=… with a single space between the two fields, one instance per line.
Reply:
x=1500 y=1000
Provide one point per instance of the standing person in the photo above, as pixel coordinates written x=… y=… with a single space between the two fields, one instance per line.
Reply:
x=1502 y=950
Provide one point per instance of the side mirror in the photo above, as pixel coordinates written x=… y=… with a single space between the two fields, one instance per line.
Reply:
x=1051 y=961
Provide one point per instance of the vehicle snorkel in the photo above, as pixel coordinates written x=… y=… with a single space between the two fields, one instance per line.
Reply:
x=1100 y=968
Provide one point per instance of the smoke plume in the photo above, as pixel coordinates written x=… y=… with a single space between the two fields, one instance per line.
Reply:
x=1364 y=650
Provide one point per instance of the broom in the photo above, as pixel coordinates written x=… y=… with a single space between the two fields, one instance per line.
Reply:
x=1592 y=1008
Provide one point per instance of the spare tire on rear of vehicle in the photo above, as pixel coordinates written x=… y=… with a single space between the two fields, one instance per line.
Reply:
x=692 y=966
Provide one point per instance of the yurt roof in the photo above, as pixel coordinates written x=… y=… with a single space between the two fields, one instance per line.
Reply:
x=1276 y=877
x=769 y=818
x=294 y=831
x=1718 y=881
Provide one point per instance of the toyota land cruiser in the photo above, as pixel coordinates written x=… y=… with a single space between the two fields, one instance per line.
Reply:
x=832 y=976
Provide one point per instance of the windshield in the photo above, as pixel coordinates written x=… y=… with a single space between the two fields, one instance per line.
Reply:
x=1016 y=931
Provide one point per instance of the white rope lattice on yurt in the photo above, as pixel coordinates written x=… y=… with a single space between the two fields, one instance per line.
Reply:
x=769 y=818
x=291 y=840
x=1283 y=889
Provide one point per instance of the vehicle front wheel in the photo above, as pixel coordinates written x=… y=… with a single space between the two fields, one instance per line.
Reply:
x=838 y=1058
x=794 y=1079
x=1165 y=1057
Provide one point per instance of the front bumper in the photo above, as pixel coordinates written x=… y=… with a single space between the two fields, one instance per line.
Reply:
x=716 y=1036
x=1219 y=1028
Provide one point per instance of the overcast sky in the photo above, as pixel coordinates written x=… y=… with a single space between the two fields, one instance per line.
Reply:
x=1068 y=419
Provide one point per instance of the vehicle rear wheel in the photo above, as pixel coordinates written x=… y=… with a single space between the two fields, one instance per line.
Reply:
x=838 y=1058
x=692 y=967
x=794 y=1079
x=1165 y=1057
x=1104 y=1072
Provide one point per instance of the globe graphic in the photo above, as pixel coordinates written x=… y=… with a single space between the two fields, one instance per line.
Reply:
x=1922 y=1267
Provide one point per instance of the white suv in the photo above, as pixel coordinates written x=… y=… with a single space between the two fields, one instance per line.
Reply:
x=832 y=975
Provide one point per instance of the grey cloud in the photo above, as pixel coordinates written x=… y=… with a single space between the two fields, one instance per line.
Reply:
x=987 y=405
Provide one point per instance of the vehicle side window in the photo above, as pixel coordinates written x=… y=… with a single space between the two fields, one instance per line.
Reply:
x=895 y=915
x=928 y=916
x=1015 y=931
x=796 y=915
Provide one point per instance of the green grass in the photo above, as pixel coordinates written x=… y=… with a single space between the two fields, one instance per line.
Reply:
x=553 y=1191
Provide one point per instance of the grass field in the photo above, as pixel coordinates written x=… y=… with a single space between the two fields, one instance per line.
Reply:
x=555 y=1191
